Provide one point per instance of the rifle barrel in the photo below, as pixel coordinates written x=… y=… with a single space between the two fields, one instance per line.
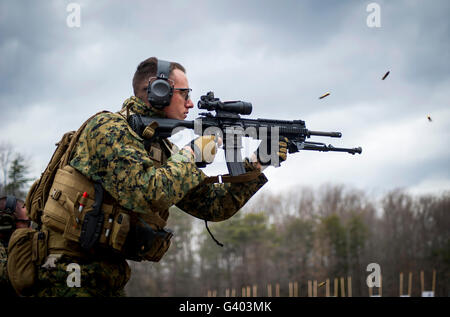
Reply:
x=321 y=133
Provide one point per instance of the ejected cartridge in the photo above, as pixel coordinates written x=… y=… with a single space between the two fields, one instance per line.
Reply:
x=323 y=96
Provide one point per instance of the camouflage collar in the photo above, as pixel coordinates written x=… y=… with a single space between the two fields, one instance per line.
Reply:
x=136 y=105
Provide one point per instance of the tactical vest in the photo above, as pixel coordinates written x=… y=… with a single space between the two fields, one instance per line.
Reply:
x=119 y=232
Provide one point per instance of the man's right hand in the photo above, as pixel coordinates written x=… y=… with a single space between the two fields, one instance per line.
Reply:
x=204 y=149
x=261 y=163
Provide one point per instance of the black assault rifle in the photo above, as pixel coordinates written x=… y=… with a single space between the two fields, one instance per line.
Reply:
x=228 y=121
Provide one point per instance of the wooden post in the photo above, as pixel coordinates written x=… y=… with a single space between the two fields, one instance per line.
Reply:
x=309 y=289
x=227 y=292
x=370 y=291
x=255 y=291
x=249 y=293
x=209 y=293
x=401 y=284
x=277 y=290
x=433 y=285
x=327 y=289
x=336 y=289
x=269 y=290
x=422 y=282
x=315 y=288
x=349 y=286
x=295 y=289
x=342 y=287
x=243 y=292
x=233 y=293
x=291 y=289
x=410 y=284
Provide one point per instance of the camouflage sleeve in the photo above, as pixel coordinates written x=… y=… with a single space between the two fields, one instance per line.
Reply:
x=4 y=280
x=110 y=152
x=218 y=202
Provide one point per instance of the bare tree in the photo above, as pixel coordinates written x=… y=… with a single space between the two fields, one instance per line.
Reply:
x=6 y=155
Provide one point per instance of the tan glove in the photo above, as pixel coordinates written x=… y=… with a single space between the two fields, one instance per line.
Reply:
x=204 y=149
x=282 y=153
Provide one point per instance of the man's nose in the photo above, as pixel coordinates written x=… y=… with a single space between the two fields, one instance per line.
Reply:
x=189 y=104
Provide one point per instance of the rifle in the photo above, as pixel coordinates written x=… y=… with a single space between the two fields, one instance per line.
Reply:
x=228 y=120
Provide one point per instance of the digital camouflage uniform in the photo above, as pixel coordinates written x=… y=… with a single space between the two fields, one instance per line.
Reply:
x=6 y=289
x=110 y=152
x=4 y=280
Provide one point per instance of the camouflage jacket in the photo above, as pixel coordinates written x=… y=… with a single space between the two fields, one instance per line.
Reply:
x=110 y=152
x=4 y=280
x=6 y=289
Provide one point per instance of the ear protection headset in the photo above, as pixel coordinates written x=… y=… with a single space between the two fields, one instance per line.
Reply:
x=159 y=90
x=7 y=217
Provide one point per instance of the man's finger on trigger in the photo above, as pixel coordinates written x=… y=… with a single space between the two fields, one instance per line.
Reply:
x=282 y=156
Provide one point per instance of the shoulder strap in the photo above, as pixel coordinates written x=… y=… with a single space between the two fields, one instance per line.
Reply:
x=243 y=178
x=74 y=139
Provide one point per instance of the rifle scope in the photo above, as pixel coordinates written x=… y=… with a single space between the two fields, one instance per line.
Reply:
x=208 y=102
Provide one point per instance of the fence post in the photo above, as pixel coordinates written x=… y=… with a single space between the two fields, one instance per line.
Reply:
x=336 y=287
x=349 y=286
x=315 y=288
x=401 y=284
x=433 y=285
x=410 y=283
x=342 y=287
x=327 y=285
x=309 y=289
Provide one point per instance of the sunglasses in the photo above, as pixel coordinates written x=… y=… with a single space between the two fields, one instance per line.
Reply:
x=185 y=92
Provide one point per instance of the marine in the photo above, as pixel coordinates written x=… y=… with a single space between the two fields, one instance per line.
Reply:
x=116 y=189
x=12 y=216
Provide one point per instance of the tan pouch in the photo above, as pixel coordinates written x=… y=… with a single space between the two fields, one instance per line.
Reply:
x=160 y=248
x=27 y=248
x=119 y=231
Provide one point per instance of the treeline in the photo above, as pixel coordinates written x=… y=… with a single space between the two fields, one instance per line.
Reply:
x=306 y=235
x=301 y=235
x=14 y=170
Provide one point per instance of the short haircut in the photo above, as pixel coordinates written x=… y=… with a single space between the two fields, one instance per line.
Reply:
x=147 y=69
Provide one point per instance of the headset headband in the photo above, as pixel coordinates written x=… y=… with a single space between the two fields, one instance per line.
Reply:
x=163 y=69
x=10 y=205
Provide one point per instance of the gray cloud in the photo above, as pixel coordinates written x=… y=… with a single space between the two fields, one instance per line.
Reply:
x=281 y=56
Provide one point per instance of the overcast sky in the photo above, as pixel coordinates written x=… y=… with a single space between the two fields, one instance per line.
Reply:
x=279 y=55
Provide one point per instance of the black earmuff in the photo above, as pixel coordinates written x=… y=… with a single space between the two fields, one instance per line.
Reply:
x=159 y=90
x=7 y=216
x=11 y=202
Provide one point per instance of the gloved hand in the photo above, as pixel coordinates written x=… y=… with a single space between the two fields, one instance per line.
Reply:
x=265 y=159
x=204 y=149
